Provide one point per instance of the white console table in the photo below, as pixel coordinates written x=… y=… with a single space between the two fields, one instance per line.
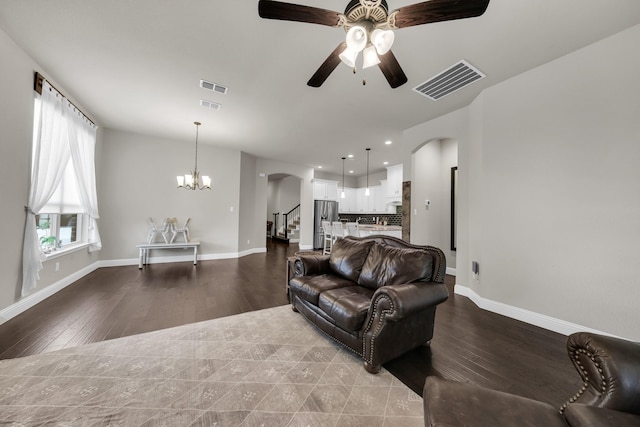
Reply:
x=144 y=248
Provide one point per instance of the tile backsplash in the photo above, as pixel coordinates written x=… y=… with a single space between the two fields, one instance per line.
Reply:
x=392 y=219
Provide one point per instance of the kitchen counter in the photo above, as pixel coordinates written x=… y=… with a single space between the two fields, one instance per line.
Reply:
x=376 y=227
x=387 y=230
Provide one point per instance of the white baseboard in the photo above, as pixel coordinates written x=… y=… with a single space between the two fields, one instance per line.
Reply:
x=305 y=247
x=543 y=321
x=33 y=299
x=451 y=271
x=38 y=296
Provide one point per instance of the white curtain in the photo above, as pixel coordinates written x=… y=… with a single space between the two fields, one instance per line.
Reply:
x=56 y=140
x=82 y=143
x=50 y=156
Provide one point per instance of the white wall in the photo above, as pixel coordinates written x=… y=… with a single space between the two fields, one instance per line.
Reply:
x=16 y=128
x=139 y=181
x=431 y=181
x=250 y=238
x=549 y=187
x=374 y=179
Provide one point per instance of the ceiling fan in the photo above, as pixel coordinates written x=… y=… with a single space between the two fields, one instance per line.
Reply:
x=369 y=27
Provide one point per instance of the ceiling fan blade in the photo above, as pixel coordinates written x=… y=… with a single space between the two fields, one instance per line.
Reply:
x=327 y=66
x=438 y=10
x=270 y=9
x=392 y=70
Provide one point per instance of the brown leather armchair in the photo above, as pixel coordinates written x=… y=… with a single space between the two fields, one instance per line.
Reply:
x=609 y=396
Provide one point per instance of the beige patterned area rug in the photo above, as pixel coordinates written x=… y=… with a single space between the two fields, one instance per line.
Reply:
x=264 y=368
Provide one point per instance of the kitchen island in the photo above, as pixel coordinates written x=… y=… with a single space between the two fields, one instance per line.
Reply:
x=386 y=230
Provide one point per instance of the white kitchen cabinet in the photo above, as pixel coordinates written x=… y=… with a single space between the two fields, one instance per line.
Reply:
x=325 y=190
x=362 y=201
x=374 y=202
x=355 y=200
x=394 y=183
x=349 y=203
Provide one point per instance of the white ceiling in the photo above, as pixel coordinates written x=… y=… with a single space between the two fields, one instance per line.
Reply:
x=136 y=66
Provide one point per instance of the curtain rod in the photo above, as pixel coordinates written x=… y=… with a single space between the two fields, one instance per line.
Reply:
x=37 y=86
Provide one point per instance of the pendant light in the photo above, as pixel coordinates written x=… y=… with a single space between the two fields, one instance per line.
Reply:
x=366 y=191
x=342 y=195
x=191 y=180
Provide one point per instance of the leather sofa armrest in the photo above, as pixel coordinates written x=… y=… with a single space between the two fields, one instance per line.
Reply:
x=610 y=369
x=409 y=298
x=308 y=265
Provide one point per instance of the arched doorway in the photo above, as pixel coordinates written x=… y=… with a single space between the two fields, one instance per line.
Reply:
x=283 y=207
x=432 y=217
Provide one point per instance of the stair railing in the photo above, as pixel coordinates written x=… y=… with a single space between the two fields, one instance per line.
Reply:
x=274 y=228
x=290 y=219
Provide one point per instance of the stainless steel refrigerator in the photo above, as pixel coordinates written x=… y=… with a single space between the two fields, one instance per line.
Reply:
x=323 y=210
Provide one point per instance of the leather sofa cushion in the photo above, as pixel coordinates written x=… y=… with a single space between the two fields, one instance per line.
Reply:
x=348 y=256
x=348 y=307
x=578 y=414
x=386 y=265
x=309 y=288
x=451 y=404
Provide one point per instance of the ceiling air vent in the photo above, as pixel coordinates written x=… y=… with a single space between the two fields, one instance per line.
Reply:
x=214 y=87
x=210 y=104
x=450 y=80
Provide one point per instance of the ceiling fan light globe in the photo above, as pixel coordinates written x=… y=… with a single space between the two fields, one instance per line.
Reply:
x=370 y=57
x=356 y=38
x=382 y=40
x=349 y=57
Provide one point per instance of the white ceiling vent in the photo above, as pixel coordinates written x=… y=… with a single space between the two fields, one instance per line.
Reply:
x=210 y=104
x=213 y=86
x=450 y=80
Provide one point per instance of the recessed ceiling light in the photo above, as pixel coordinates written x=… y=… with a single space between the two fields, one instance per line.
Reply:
x=350 y=171
x=388 y=142
x=385 y=163
x=320 y=167
x=350 y=156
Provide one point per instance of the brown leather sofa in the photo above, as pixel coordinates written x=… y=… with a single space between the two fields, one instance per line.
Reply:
x=609 y=396
x=375 y=295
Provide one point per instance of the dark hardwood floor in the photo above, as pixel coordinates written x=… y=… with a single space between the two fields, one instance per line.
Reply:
x=470 y=345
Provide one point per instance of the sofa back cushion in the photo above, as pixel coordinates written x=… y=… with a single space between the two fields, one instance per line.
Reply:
x=387 y=265
x=347 y=257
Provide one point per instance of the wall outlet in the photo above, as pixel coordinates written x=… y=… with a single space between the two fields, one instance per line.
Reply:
x=57 y=266
x=230 y=208
x=248 y=242
x=475 y=268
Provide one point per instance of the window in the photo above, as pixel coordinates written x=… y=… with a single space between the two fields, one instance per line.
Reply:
x=57 y=231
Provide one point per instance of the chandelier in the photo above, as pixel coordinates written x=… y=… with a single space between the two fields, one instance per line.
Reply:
x=191 y=181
